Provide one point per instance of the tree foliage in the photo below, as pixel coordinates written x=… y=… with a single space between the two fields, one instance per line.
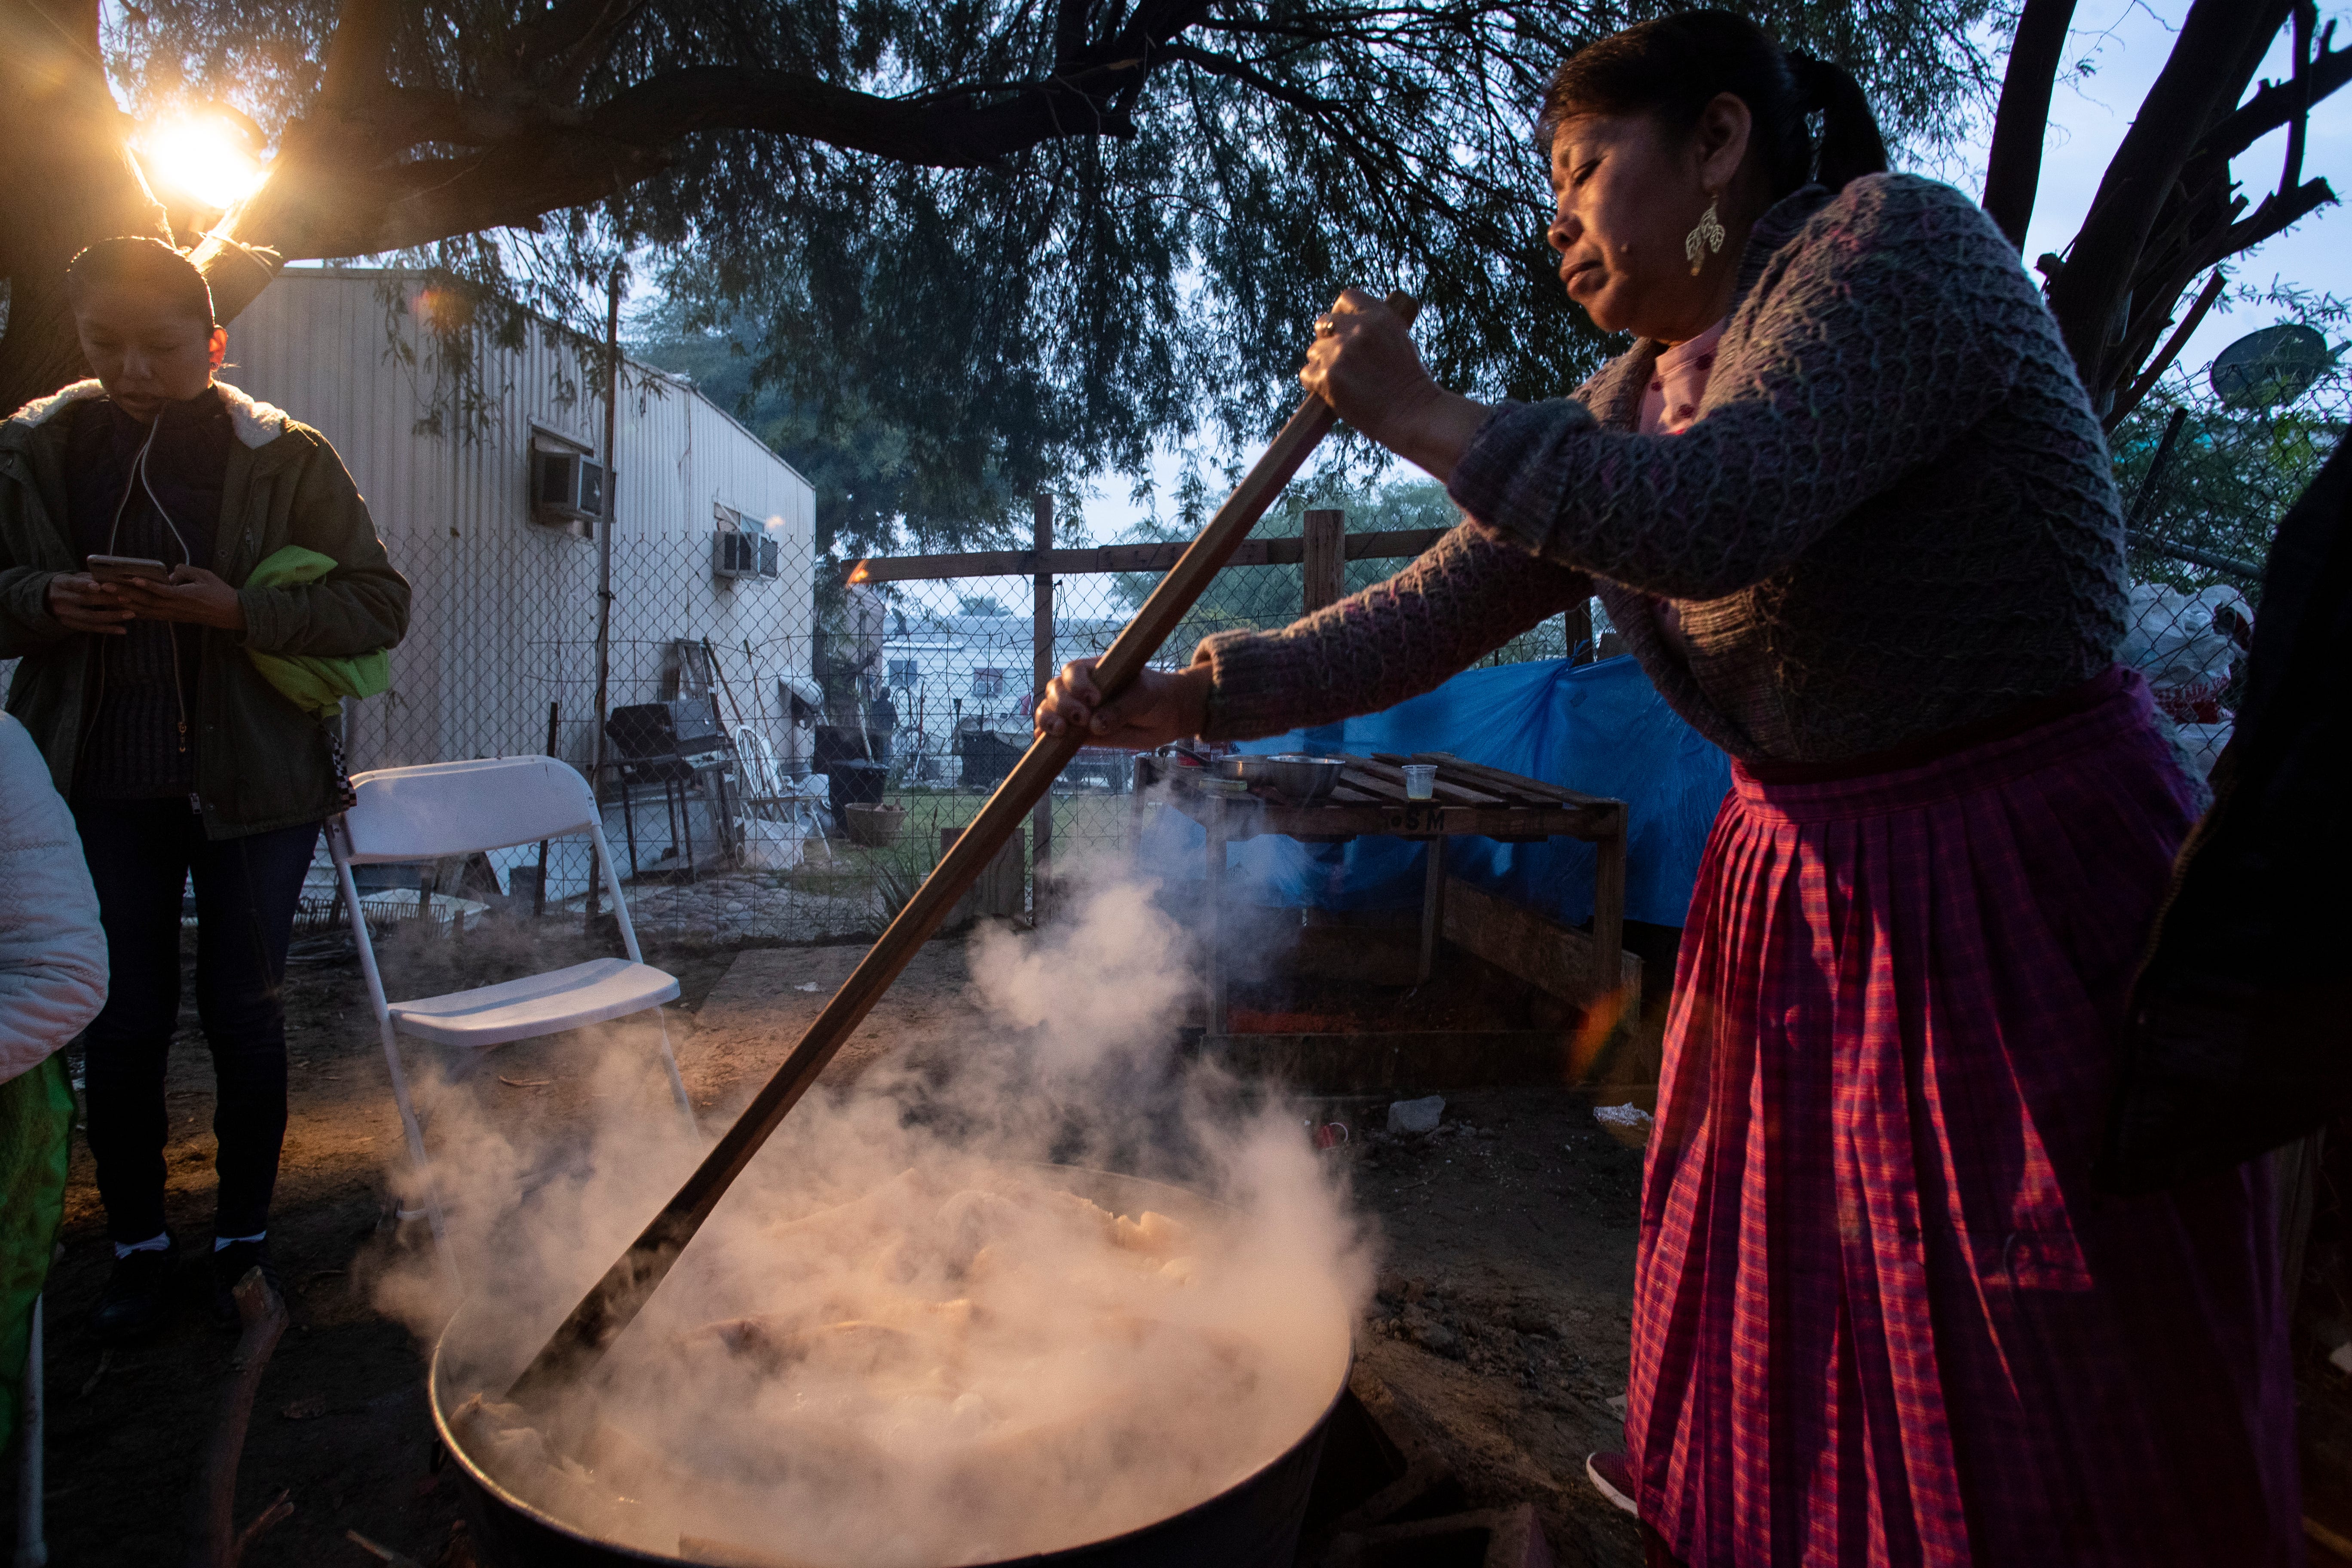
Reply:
x=1030 y=239
x=879 y=483
x=2231 y=474
x=1014 y=242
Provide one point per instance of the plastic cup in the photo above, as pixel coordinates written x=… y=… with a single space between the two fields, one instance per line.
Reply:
x=1420 y=781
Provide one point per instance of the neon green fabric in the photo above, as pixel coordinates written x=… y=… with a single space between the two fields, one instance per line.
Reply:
x=37 y=1111
x=314 y=683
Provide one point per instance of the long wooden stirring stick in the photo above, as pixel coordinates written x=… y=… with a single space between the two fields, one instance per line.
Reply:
x=613 y=1301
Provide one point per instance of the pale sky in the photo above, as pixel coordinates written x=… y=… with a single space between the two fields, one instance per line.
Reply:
x=2124 y=43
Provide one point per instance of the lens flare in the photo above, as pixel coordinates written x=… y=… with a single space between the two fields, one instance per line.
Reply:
x=204 y=157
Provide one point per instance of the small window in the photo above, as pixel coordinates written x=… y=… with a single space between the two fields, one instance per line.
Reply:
x=988 y=683
x=902 y=674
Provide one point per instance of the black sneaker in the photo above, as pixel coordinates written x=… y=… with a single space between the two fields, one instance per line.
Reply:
x=233 y=1263
x=138 y=1298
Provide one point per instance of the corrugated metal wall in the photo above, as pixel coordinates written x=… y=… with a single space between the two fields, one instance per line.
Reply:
x=505 y=616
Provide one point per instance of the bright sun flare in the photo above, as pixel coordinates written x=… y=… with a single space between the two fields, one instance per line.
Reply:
x=203 y=157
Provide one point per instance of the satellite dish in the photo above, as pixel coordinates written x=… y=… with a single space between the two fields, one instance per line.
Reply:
x=2265 y=369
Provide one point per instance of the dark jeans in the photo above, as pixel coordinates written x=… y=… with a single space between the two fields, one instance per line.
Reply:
x=141 y=854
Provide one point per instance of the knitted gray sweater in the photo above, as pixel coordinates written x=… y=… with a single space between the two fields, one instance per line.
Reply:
x=1895 y=515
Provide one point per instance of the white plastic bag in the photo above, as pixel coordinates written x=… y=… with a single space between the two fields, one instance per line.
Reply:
x=771 y=845
x=2184 y=644
x=2203 y=743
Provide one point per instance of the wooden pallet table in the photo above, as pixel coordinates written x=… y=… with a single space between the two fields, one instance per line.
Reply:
x=1469 y=799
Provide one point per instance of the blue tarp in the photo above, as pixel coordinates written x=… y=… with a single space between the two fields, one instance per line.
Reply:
x=1599 y=728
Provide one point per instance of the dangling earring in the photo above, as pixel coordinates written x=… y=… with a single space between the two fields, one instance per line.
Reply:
x=1706 y=237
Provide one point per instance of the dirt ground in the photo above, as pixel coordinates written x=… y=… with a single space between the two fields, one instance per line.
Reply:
x=1501 y=1320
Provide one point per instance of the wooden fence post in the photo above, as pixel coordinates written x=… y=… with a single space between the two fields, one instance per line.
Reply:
x=1578 y=617
x=1327 y=558
x=1041 y=831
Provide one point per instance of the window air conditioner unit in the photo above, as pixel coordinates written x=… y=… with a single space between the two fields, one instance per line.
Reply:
x=566 y=487
x=735 y=553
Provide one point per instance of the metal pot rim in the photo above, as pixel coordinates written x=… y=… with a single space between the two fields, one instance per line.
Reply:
x=492 y=1489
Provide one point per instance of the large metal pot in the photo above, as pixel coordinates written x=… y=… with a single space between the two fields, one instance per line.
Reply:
x=1254 y=1523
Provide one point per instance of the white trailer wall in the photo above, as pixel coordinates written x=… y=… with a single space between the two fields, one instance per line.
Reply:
x=505 y=614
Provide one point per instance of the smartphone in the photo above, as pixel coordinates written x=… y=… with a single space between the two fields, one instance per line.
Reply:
x=128 y=568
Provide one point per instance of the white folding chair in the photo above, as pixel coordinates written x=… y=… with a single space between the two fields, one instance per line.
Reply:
x=456 y=808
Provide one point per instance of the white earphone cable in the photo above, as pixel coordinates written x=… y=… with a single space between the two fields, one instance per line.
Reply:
x=139 y=480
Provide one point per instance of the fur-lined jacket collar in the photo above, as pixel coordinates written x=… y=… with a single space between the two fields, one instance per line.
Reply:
x=257 y=423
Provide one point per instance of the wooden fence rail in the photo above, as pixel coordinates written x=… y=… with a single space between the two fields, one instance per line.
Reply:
x=1392 y=545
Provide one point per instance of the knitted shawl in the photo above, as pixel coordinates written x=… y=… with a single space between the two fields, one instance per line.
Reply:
x=1894 y=516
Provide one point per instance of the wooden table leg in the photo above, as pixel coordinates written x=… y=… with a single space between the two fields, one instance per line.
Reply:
x=1609 y=908
x=1432 y=910
x=721 y=812
x=1213 y=921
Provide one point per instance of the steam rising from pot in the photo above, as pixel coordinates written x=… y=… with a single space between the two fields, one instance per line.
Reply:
x=902 y=1341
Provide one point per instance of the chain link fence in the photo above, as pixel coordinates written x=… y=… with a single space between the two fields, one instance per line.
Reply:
x=795 y=768
x=923 y=687
x=2206 y=480
x=780 y=760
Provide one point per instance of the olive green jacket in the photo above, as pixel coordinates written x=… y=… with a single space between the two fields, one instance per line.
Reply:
x=261 y=762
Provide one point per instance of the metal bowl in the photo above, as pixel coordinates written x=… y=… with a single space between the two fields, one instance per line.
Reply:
x=1298 y=776
x=1252 y=1523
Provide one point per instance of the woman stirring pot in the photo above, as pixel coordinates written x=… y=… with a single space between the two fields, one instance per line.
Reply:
x=1849 y=505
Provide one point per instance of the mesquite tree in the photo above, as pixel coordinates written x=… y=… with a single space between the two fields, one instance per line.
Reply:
x=1009 y=227
x=1026 y=238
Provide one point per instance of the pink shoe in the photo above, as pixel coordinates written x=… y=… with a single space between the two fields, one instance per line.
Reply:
x=1614 y=1479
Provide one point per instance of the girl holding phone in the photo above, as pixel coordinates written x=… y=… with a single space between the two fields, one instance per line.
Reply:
x=180 y=760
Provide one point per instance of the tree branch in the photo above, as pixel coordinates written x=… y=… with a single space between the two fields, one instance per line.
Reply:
x=2021 y=125
x=2277 y=213
x=946 y=135
x=2306 y=17
x=1070 y=19
x=508 y=185
x=2170 y=352
x=358 y=56
x=405 y=117
x=349 y=184
x=569 y=41
x=1238 y=70
x=2198 y=78
x=2278 y=104
x=215 y=1540
x=324 y=200
x=552 y=34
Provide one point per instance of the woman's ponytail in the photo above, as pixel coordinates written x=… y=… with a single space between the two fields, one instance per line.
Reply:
x=1851 y=145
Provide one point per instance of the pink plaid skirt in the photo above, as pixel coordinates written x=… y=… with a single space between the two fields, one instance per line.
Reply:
x=1881 y=1315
